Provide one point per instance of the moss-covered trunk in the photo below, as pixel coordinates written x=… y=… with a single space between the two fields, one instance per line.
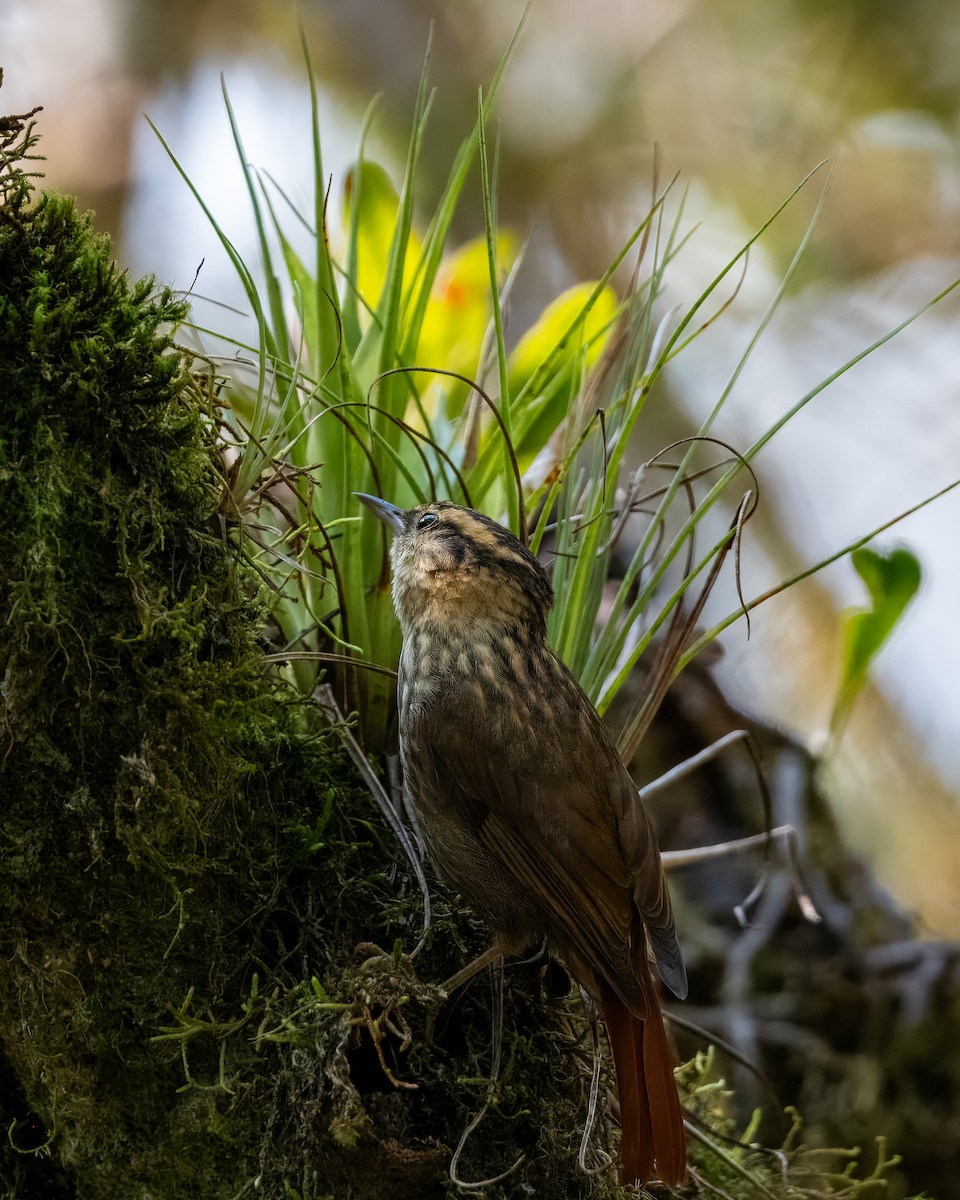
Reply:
x=151 y=777
x=187 y=866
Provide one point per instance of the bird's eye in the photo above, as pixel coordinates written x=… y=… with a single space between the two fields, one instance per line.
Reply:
x=428 y=519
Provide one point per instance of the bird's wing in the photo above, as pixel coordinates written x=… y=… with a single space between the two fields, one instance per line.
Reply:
x=551 y=802
x=636 y=839
x=641 y=854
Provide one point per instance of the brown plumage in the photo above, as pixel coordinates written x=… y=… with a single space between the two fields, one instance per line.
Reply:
x=524 y=802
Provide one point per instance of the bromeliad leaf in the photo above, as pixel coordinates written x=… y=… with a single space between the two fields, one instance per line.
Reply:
x=370 y=205
x=551 y=359
x=892 y=581
x=459 y=311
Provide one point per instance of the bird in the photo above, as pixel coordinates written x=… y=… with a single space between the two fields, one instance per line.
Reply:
x=524 y=803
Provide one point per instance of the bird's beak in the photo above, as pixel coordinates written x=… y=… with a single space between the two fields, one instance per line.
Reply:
x=387 y=512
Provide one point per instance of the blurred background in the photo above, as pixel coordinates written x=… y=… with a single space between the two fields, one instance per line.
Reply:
x=743 y=98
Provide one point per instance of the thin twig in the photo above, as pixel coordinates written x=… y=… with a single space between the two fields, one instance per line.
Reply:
x=597 y=1057
x=698 y=1135
x=324 y=656
x=785 y=833
x=329 y=706
x=696 y=854
x=455 y=1179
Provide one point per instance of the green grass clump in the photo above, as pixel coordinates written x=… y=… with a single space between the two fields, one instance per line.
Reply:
x=383 y=362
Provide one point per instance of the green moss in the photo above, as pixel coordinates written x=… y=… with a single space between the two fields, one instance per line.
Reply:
x=148 y=768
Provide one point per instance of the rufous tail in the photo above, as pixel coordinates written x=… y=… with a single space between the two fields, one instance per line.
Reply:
x=652 y=1140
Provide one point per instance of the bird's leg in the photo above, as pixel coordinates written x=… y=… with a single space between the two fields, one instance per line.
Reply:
x=500 y=949
x=465 y=974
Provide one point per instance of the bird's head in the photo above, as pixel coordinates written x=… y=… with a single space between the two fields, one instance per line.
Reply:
x=454 y=567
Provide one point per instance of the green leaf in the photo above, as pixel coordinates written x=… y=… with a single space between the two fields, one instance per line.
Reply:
x=552 y=357
x=892 y=581
x=459 y=311
x=370 y=205
x=540 y=345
